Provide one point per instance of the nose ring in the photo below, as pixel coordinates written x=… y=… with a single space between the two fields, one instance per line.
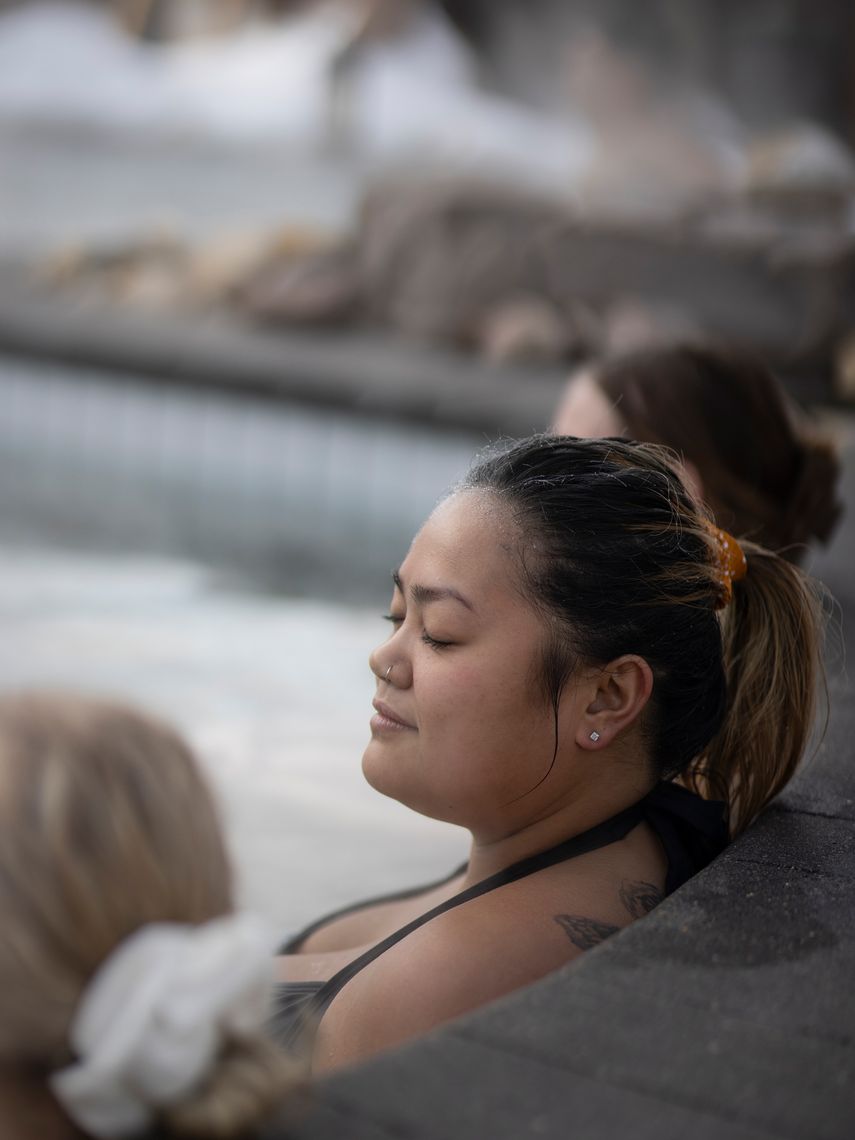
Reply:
x=388 y=671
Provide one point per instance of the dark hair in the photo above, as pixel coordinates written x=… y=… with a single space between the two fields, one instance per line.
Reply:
x=767 y=473
x=621 y=559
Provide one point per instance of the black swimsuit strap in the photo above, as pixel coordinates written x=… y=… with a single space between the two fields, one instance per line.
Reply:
x=292 y=945
x=601 y=835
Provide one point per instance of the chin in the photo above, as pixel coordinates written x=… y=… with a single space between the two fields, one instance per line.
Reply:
x=380 y=769
x=385 y=769
x=391 y=776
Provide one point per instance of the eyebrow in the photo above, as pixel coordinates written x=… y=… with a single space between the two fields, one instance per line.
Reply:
x=424 y=594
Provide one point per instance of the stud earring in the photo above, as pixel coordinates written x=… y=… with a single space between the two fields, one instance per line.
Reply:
x=595 y=736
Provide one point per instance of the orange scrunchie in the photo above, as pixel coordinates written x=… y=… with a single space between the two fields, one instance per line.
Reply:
x=732 y=564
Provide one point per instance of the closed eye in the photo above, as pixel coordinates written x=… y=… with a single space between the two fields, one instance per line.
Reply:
x=433 y=642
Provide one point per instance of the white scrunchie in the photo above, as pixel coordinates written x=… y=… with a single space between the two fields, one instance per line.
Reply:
x=153 y=1017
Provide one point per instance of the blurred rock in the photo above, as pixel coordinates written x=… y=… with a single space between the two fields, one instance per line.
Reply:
x=801 y=157
x=313 y=289
x=515 y=275
x=161 y=270
x=146 y=271
x=525 y=329
x=802 y=172
x=630 y=324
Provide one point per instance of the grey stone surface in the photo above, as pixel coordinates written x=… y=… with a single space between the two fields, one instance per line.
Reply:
x=452 y=1086
x=825 y=786
x=796 y=840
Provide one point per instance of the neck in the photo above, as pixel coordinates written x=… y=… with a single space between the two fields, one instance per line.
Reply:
x=493 y=851
x=27 y=1109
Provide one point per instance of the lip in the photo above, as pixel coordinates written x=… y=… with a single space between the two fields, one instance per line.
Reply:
x=386 y=720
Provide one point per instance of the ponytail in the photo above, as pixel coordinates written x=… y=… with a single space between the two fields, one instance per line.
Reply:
x=771 y=638
x=249 y=1080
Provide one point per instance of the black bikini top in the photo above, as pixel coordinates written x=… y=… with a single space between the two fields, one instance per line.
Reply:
x=692 y=832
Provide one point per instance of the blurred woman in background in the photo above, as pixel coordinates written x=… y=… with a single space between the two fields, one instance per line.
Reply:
x=746 y=449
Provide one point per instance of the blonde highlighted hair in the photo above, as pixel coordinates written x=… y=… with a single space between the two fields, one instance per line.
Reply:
x=106 y=824
x=773 y=669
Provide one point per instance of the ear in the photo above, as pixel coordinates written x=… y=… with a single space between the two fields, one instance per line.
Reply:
x=621 y=690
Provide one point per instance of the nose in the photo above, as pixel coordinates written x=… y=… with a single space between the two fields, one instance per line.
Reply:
x=390 y=666
x=375 y=663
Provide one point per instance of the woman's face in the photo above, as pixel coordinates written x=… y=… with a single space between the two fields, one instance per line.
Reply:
x=462 y=729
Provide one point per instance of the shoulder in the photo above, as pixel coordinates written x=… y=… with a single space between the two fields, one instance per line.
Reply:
x=473 y=955
x=369 y=921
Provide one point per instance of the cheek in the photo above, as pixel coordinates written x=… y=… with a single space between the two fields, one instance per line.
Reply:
x=483 y=718
x=456 y=701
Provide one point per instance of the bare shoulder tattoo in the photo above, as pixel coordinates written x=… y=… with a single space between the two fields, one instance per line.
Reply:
x=585 y=932
x=640 y=897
